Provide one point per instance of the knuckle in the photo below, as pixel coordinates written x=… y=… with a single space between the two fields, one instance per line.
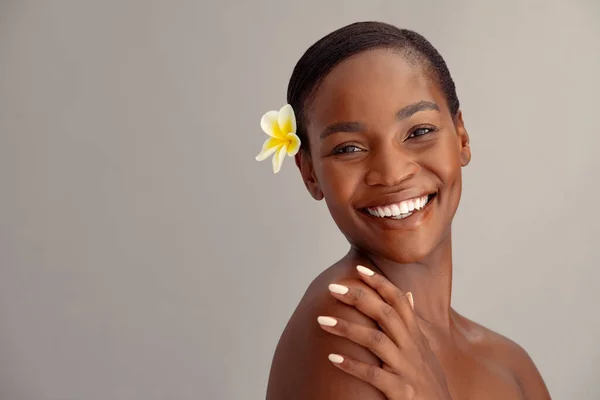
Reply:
x=409 y=391
x=358 y=294
x=399 y=295
x=377 y=338
x=343 y=327
x=372 y=373
x=387 y=311
x=349 y=365
x=381 y=280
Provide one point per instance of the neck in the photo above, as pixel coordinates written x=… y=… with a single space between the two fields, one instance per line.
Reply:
x=429 y=280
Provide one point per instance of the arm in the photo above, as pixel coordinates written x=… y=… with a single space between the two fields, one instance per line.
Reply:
x=515 y=359
x=529 y=378
x=301 y=369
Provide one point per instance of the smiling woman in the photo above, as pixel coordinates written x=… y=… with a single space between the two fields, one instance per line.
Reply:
x=383 y=142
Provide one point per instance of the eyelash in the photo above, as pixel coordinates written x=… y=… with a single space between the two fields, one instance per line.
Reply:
x=428 y=128
x=343 y=150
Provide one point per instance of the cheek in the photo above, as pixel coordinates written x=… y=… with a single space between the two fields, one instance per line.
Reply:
x=445 y=160
x=448 y=170
x=338 y=183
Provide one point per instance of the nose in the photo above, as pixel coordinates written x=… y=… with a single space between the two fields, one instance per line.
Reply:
x=390 y=166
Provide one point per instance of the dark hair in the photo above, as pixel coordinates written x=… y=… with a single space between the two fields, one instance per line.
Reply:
x=329 y=51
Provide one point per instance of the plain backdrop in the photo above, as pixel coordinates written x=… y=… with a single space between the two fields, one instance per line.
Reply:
x=145 y=254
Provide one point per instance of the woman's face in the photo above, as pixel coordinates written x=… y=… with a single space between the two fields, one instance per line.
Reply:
x=383 y=142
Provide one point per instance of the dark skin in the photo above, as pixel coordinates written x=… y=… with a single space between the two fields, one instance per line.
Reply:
x=380 y=132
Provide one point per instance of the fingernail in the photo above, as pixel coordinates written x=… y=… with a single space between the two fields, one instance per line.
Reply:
x=336 y=358
x=365 y=270
x=339 y=289
x=410 y=299
x=327 y=321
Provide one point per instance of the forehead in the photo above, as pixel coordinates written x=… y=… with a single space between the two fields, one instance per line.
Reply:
x=372 y=85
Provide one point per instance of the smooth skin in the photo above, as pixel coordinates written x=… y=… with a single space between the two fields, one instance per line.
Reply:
x=380 y=132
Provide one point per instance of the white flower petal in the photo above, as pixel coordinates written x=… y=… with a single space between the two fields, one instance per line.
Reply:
x=269 y=124
x=279 y=157
x=294 y=144
x=286 y=120
x=270 y=146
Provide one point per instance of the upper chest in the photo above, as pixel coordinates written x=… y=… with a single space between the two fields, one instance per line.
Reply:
x=474 y=374
x=471 y=378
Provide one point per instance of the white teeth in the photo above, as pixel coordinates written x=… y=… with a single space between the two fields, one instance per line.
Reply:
x=403 y=207
x=403 y=216
x=401 y=210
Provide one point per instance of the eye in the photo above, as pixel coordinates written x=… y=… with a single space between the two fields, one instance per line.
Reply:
x=347 y=149
x=421 y=131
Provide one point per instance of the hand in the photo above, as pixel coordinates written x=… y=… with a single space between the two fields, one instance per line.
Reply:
x=410 y=369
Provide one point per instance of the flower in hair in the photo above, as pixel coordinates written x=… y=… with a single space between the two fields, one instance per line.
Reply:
x=281 y=128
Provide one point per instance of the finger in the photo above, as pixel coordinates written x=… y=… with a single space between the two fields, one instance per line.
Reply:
x=374 y=307
x=392 y=385
x=373 y=339
x=402 y=302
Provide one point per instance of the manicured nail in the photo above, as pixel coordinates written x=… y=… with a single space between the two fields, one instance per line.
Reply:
x=365 y=270
x=339 y=289
x=336 y=358
x=327 y=321
x=410 y=299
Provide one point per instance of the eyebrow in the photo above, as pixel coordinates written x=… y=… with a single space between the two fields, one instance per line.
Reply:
x=402 y=114
x=412 y=109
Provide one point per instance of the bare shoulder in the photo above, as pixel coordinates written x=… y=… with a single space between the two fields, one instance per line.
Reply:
x=300 y=368
x=507 y=354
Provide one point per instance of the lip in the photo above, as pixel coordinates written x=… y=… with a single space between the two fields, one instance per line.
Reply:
x=413 y=221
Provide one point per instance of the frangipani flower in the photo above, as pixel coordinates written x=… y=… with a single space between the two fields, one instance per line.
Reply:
x=281 y=127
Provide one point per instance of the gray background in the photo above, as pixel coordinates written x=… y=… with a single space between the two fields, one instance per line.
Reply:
x=145 y=254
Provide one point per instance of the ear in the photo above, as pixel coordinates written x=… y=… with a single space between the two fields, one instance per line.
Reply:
x=305 y=165
x=463 y=137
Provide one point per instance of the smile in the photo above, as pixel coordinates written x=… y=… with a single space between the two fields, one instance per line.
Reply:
x=400 y=210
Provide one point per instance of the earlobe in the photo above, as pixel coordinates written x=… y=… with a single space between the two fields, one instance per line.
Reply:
x=463 y=135
x=465 y=147
x=316 y=192
x=304 y=164
x=465 y=155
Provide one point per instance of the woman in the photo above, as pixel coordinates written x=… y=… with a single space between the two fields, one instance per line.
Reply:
x=383 y=142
